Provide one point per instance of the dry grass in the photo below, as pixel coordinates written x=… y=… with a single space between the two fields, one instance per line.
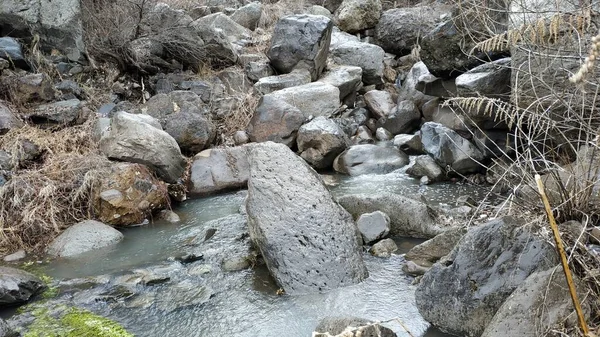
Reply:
x=237 y=120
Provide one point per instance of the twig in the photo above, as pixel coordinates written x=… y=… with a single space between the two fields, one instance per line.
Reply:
x=563 y=257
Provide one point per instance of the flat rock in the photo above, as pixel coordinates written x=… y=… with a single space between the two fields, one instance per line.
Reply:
x=83 y=237
x=267 y=85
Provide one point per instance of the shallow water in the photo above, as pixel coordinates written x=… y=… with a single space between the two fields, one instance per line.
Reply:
x=245 y=304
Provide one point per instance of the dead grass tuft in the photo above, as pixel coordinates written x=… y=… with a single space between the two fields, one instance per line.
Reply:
x=237 y=120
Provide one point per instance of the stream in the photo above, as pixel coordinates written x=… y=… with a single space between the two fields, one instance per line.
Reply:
x=199 y=299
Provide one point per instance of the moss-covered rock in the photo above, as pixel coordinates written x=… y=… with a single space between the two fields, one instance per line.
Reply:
x=74 y=323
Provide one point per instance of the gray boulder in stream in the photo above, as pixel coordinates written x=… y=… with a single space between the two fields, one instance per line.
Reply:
x=18 y=286
x=83 y=237
x=308 y=241
x=462 y=292
x=369 y=158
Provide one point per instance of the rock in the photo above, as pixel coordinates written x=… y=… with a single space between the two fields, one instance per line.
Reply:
x=489 y=80
x=240 y=137
x=5 y=330
x=373 y=226
x=301 y=41
x=405 y=117
x=18 y=286
x=162 y=17
x=347 y=50
x=346 y=78
x=218 y=170
x=447 y=117
x=409 y=144
x=58 y=24
x=128 y=195
x=426 y=166
x=436 y=248
x=363 y=136
x=29 y=88
x=83 y=237
x=16 y=256
x=462 y=293
x=256 y=70
x=448 y=148
x=132 y=140
x=235 y=264
x=408 y=91
x=163 y=106
x=8 y=120
x=10 y=50
x=308 y=241
x=320 y=141
x=62 y=113
x=267 y=85
x=541 y=301
x=433 y=86
x=275 y=120
x=399 y=30
x=408 y=217
x=70 y=89
x=383 y=135
x=169 y=216
x=248 y=15
x=595 y=235
x=313 y=99
x=182 y=295
x=379 y=102
x=192 y=132
x=219 y=33
x=355 y=15
x=6 y=161
x=330 y=5
x=384 y=248
x=368 y=158
x=319 y=10
x=414 y=269
x=350 y=327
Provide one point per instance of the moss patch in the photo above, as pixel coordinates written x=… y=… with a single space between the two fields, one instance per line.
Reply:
x=75 y=323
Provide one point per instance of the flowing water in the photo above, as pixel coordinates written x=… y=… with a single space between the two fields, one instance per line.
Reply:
x=245 y=303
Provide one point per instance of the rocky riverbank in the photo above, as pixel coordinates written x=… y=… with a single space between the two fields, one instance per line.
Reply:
x=110 y=123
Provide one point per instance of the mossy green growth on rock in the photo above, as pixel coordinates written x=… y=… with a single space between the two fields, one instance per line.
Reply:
x=75 y=323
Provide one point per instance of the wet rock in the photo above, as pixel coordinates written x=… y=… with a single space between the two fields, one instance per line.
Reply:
x=350 y=327
x=355 y=15
x=409 y=144
x=10 y=50
x=426 y=166
x=304 y=239
x=182 y=295
x=367 y=158
x=313 y=99
x=249 y=15
x=83 y=237
x=404 y=118
x=384 y=248
x=462 y=293
x=489 y=79
x=408 y=217
x=320 y=141
x=16 y=256
x=218 y=170
x=379 y=102
x=347 y=50
x=189 y=258
x=436 y=248
x=267 y=85
x=400 y=29
x=256 y=70
x=128 y=195
x=241 y=137
x=383 y=135
x=414 y=269
x=132 y=140
x=448 y=148
x=301 y=41
x=346 y=78
x=18 y=286
x=235 y=264
x=373 y=226
x=275 y=120
x=8 y=120
x=542 y=300
x=169 y=216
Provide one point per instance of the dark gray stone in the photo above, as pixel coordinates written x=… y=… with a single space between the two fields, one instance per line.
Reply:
x=18 y=286
x=436 y=248
x=368 y=158
x=489 y=79
x=255 y=70
x=379 y=102
x=409 y=144
x=462 y=293
x=83 y=237
x=426 y=166
x=63 y=113
x=347 y=50
x=301 y=41
x=307 y=236
x=8 y=120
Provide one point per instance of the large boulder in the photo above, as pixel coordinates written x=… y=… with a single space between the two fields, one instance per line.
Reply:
x=83 y=237
x=217 y=170
x=355 y=15
x=542 y=301
x=461 y=293
x=408 y=217
x=18 y=286
x=128 y=195
x=400 y=29
x=347 y=50
x=313 y=99
x=57 y=23
x=133 y=140
x=308 y=241
x=275 y=120
x=369 y=158
x=448 y=148
x=320 y=141
x=219 y=33
x=301 y=41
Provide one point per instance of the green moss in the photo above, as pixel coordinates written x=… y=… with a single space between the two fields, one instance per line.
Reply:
x=75 y=323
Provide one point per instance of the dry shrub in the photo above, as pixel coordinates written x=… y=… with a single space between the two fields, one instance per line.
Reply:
x=237 y=120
